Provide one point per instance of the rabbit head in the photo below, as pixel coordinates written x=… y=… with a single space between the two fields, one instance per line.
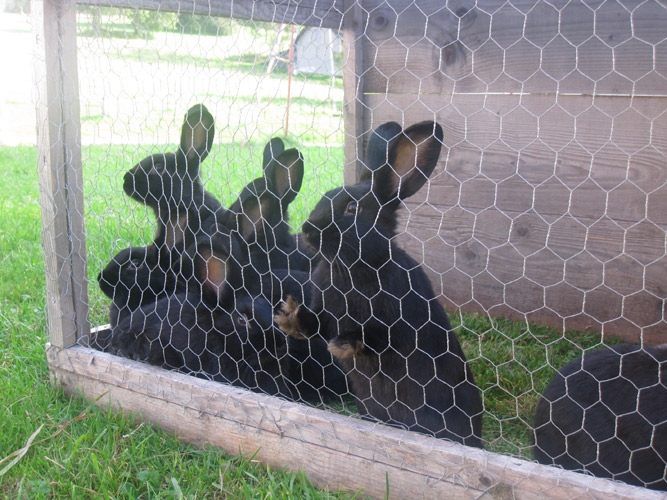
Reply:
x=220 y=261
x=261 y=208
x=172 y=179
x=358 y=221
x=134 y=272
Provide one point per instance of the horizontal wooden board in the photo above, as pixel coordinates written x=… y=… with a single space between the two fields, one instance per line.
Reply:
x=524 y=47
x=326 y=14
x=523 y=268
x=573 y=138
x=334 y=450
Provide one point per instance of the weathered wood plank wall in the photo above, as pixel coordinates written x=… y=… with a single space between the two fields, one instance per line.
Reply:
x=304 y=12
x=549 y=202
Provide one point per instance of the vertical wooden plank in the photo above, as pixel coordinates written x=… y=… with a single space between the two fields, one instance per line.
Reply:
x=353 y=29
x=60 y=172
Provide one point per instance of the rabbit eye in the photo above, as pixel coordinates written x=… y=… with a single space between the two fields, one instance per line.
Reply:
x=158 y=167
x=242 y=320
x=135 y=263
x=352 y=208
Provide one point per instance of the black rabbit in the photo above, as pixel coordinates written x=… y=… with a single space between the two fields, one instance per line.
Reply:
x=170 y=184
x=180 y=333
x=133 y=278
x=262 y=210
x=606 y=413
x=227 y=276
x=238 y=344
x=377 y=307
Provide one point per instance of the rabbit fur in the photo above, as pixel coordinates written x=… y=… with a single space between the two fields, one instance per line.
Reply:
x=132 y=279
x=192 y=332
x=225 y=271
x=604 y=413
x=261 y=210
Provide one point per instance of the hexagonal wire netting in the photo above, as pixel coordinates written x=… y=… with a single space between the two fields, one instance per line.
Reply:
x=541 y=128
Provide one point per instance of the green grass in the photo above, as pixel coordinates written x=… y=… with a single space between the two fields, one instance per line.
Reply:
x=227 y=73
x=512 y=363
x=83 y=452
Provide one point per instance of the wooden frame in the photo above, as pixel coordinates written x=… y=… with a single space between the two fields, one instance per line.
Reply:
x=333 y=450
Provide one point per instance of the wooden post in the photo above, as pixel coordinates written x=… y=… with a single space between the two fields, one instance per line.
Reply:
x=353 y=32
x=60 y=172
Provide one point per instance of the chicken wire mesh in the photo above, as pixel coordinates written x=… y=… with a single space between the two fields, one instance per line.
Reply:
x=541 y=129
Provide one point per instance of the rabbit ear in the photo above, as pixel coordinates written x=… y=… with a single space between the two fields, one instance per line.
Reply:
x=377 y=149
x=273 y=149
x=249 y=216
x=412 y=157
x=284 y=176
x=211 y=267
x=249 y=219
x=197 y=135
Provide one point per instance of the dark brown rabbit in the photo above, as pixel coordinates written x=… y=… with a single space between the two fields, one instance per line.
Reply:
x=170 y=184
x=605 y=413
x=377 y=308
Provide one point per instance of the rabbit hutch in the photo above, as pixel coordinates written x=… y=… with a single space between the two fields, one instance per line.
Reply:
x=547 y=208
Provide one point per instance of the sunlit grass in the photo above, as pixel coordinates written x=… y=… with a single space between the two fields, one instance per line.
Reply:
x=512 y=363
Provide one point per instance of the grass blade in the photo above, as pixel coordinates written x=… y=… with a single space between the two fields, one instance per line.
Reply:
x=18 y=454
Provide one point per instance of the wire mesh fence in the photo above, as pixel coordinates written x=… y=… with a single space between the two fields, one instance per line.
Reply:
x=503 y=160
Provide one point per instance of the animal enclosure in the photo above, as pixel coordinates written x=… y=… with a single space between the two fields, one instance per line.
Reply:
x=546 y=206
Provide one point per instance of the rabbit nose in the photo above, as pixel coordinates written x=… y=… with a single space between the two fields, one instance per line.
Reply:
x=312 y=235
x=128 y=183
